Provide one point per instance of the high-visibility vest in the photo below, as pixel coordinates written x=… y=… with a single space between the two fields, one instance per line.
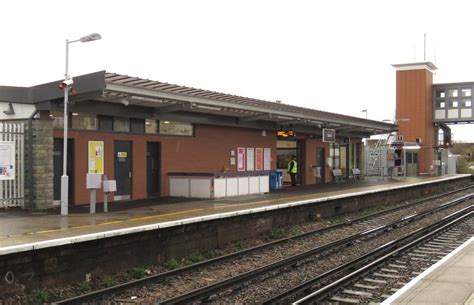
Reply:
x=293 y=169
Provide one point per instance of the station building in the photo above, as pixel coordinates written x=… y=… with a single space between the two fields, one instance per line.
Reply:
x=144 y=133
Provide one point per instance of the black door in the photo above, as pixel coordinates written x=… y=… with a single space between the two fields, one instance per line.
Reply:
x=320 y=159
x=153 y=169
x=123 y=169
x=58 y=168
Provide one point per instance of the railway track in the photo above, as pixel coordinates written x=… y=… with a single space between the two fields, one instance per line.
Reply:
x=379 y=279
x=366 y=226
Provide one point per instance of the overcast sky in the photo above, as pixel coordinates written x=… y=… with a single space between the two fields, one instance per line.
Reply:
x=328 y=55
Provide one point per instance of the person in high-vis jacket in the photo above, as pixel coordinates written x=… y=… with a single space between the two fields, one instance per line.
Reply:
x=293 y=169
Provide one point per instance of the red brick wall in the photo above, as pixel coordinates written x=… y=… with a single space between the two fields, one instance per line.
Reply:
x=414 y=112
x=208 y=151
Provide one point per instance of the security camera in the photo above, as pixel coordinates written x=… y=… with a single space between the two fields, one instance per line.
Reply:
x=67 y=82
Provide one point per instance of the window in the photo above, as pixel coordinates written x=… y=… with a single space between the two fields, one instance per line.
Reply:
x=440 y=94
x=151 y=126
x=466 y=92
x=453 y=104
x=137 y=125
x=106 y=123
x=453 y=92
x=58 y=119
x=440 y=104
x=176 y=128
x=466 y=103
x=84 y=121
x=122 y=124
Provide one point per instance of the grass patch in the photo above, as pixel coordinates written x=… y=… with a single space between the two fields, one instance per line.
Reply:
x=172 y=264
x=40 y=296
x=137 y=273
x=84 y=286
x=109 y=282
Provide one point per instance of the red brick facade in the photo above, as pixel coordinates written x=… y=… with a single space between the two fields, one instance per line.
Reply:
x=414 y=112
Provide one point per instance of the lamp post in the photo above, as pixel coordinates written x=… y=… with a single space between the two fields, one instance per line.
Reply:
x=365 y=110
x=66 y=84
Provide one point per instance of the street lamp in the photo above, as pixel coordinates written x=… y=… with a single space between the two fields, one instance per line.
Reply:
x=66 y=84
x=365 y=110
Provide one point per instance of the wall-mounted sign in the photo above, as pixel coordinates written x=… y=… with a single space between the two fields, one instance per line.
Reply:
x=96 y=157
x=286 y=133
x=399 y=138
x=122 y=154
x=241 y=159
x=7 y=160
x=258 y=159
x=250 y=159
x=329 y=135
x=267 y=159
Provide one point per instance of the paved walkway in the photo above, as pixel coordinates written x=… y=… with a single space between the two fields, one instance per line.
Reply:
x=35 y=229
x=450 y=281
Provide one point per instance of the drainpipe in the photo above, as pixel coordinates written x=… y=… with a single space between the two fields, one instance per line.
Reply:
x=30 y=158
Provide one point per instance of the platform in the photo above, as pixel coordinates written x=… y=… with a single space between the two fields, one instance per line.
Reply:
x=449 y=281
x=24 y=231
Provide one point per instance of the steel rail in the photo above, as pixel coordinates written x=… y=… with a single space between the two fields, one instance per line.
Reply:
x=426 y=233
x=205 y=292
x=95 y=295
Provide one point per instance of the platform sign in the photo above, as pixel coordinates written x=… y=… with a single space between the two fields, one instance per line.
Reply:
x=329 y=135
x=250 y=159
x=258 y=159
x=7 y=160
x=241 y=159
x=96 y=157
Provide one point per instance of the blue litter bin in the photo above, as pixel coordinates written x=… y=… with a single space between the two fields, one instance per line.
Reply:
x=279 y=178
x=273 y=180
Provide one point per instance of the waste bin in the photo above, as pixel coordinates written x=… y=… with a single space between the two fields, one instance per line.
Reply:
x=273 y=180
x=279 y=178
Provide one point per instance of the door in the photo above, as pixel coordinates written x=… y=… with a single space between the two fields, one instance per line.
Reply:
x=58 y=169
x=412 y=164
x=153 y=169
x=123 y=169
x=320 y=157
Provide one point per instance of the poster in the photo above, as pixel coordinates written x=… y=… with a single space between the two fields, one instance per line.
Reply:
x=267 y=158
x=7 y=160
x=250 y=159
x=241 y=159
x=258 y=159
x=96 y=157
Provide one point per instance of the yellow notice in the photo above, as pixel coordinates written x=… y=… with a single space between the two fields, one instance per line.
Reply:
x=96 y=157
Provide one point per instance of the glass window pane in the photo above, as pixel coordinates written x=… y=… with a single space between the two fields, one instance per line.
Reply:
x=137 y=125
x=466 y=103
x=151 y=126
x=453 y=92
x=84 y=121
x=106 y=123
x=176 y=128
x=466 y=92
x=440 y=104
x=440 y=94
x=121 y=124
x=453 y=104
x=58 y=119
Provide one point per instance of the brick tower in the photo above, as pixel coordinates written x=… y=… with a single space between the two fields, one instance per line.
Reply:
x=414 y=109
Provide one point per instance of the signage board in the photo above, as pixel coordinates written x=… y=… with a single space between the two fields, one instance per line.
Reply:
x=96 y=157
x=258 y=159
x=7 y=160
x=286 y=133
x=241 y=159
x=329 y=135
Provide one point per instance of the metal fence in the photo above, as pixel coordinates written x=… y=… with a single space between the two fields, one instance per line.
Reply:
x=12 y=192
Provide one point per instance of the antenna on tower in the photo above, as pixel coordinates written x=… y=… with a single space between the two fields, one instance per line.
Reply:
x=424 y=47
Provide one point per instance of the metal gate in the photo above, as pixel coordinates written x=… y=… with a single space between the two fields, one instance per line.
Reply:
x=12 y=191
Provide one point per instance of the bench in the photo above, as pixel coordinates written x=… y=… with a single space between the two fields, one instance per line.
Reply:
x=356 y=173
x=337 y=173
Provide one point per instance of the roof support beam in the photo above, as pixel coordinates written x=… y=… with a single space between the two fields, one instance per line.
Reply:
x=172 y=108
x=257 y=117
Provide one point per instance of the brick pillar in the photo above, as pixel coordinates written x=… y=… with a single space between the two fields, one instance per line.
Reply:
x=43 y=171
x=414 y=109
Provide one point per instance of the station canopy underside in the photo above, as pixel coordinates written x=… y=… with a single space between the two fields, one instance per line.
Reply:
x=121 y=95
